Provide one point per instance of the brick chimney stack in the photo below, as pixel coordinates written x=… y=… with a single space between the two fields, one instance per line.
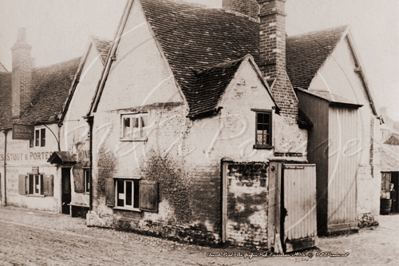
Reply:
x=246 y=7
x=21 y=74
x=272 y=51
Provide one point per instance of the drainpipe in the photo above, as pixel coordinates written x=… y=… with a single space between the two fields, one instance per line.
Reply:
x=89 y=120
x=4 y=187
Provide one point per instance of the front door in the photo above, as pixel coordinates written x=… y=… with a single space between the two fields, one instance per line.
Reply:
x=66 y=189
x=298 y=210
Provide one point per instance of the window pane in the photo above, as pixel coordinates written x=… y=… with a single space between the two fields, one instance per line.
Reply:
x=144 y=121
x=126 y=122
x=266 y=118
x=37 y=184
x=37 y=133
x=43 y=137
x=261 y=127
x=31 y=143
x=129 y=193
x=260 y=118
x=31 y=184
x=135 y=123
x=136 y=194
x=268 y=140
x=120 y=193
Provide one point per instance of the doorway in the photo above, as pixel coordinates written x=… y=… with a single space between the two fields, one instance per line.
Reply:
x=66 y=190
x=395 y=181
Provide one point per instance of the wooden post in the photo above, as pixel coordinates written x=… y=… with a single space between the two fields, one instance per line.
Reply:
x=224 y=201
x=274 y=208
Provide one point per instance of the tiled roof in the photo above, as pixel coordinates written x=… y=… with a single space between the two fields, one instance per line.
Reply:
x=329 y=97
x=392 y=141
x=103 y=46
x=5 y=99
x=51 y=85
x=194 y=39
x=211 y=84
x=306 y=53
x=389 y=158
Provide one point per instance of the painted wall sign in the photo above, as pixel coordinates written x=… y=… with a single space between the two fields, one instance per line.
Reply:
x=23 y=132
x=36 y=156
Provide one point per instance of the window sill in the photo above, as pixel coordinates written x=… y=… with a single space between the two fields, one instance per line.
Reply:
x=82 y=193
x=35 y=196
x=134 y=140
x=263 y=147
x=127 y=209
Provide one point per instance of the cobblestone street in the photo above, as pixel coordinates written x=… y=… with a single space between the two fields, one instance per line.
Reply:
x=41 y=238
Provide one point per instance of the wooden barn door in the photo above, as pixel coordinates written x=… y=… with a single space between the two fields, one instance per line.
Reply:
x=298 y=215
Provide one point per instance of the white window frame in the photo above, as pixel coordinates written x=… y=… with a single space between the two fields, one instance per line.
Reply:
x=130 y=136
x=35 y=176
x=117 y=195
x=40 y=138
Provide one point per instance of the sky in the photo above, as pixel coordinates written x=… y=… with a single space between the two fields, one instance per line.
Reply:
x=59 y=30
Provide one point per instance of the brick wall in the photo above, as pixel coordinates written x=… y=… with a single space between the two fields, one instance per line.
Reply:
x=273 y=55
x=245 y=7
x=21 y=74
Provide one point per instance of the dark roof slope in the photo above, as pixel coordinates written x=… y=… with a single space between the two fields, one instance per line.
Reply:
x=50 y=89
x=103 y=46
x=5 y=99
x=196 y=38
x=211 y=84
x=392 y=141
x=306 y=53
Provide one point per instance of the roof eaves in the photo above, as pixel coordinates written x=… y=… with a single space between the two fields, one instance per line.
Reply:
x=361 y=72
x=75 y=83
x=110 y=59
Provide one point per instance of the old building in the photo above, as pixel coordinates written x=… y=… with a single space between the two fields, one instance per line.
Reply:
x=192 y=107
x=333 y=92
x=32 y=97
x=74 y=157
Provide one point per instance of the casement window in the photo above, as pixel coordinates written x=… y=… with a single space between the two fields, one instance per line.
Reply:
x=133 y=127
x=40 y=138
x=132 y=194
x=263 y=129
x=127 y=194
x=36 y=185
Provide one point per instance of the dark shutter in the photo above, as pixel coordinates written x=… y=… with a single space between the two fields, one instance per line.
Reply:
x=78 y=178
x=22 y=184
x=48 y=185
x=110 y=192
x=148 y=196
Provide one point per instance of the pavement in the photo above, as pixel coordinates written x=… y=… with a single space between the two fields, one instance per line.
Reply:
x=29 y=237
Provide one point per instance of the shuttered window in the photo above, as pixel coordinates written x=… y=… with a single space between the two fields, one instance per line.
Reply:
x=132 y=194
x=36 y=185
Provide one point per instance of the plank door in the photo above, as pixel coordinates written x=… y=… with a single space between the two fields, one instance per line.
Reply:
x=299 y=219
